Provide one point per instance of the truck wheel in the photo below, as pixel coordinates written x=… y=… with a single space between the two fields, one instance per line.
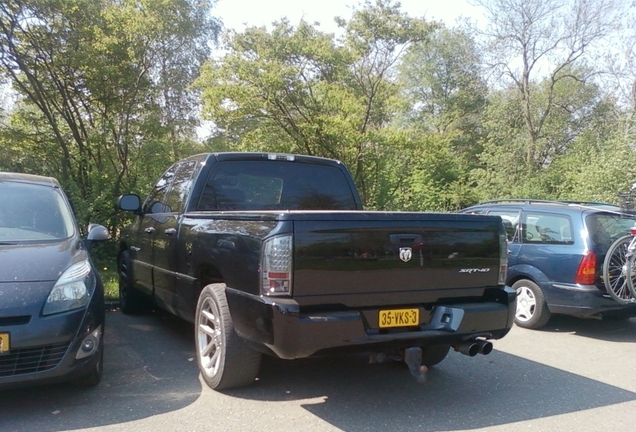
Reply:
x=432 y=355
x=532 y=309
x=225 y=359
x=131 y=301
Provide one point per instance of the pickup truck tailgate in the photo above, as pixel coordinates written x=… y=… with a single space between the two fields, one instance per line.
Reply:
x=425 y=256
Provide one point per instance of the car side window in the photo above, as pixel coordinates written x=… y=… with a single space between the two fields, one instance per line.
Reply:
x=177 y=196
x=510 y=221
x=155 y=203
x=547 y=229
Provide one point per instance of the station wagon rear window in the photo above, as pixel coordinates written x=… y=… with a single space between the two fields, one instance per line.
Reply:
x=605 y=228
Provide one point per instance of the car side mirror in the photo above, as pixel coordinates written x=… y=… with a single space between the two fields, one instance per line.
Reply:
x=96 y=233
x=129 y=202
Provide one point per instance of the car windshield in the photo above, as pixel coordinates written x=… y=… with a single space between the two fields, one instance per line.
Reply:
x=30 y=212
x=605 y=228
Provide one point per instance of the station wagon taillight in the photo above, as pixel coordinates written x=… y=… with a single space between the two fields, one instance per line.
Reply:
x=586 y=274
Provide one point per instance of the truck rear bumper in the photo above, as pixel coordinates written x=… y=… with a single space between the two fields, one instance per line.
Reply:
x=279 y=325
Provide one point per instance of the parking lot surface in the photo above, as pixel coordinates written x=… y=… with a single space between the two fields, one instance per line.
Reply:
x=572 y=375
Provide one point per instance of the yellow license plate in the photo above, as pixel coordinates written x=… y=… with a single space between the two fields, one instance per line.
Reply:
x=5 y=342
x=399 y=318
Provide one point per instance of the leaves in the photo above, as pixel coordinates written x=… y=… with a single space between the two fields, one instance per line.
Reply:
x=426 y=117
x=103 y=86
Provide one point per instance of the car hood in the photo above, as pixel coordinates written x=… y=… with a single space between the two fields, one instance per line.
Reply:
x=38 y=262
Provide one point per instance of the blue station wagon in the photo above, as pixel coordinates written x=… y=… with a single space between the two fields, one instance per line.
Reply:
x=556 y=252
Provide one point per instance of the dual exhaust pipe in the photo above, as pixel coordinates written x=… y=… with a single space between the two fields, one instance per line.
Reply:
x=473 y=347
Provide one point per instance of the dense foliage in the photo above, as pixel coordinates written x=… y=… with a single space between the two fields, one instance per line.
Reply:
x=102 y=98
x=105 y=94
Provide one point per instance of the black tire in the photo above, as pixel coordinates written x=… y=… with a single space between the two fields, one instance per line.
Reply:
x=432 y=355
x=615 y=271
x=131 y=301
x=225 y=359
x=532 y=310
x=630 y=269
x=94 y=377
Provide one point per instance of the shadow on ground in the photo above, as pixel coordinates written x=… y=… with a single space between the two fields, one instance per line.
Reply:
x=619 y=330
x=150 y=369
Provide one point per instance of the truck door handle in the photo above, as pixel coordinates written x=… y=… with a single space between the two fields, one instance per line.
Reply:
x=406 y=239
x=170 y=231
x=149 y=230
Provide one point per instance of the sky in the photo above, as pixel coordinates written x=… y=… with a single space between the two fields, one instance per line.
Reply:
x=236 y=14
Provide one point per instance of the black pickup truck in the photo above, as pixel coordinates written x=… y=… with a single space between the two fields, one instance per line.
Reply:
x=272 y=253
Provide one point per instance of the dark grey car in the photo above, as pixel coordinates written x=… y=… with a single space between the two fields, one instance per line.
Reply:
x=51 y=297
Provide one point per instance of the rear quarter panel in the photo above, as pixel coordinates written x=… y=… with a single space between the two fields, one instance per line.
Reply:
x=227 y=245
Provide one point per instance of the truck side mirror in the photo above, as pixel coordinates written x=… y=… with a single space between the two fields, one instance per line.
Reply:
x=129 y=202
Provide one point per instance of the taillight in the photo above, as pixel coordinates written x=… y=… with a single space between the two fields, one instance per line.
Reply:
x=276 y=266
x=503 y=256
x=586 y=274
x=632 y=230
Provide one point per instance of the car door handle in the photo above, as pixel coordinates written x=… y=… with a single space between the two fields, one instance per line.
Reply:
x=149 y=230
x=170 y=231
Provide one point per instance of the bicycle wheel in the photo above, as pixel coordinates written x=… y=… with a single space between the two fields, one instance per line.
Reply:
x=630 y=270
x=615 y=272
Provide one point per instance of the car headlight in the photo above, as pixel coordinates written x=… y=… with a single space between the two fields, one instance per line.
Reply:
x=71 y=291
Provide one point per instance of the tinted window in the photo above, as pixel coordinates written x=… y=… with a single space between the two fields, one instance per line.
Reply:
x=178 y=194
x=267 y=185
x=510 y=221
x=547 y=229
x=605 y=228
x=33 y=212
x=155 y=203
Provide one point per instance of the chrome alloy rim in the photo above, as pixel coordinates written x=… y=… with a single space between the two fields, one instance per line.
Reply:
x=209 y=337
x=526 y=304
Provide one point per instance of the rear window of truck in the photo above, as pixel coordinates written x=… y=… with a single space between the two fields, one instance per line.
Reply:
x=273 y=185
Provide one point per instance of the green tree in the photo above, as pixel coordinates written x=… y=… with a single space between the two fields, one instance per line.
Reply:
x=444 y=99
x=538 y=47
x=298 y=89
x=443 y=83
x=597 y=164
x=504 y=171
x=103 y=87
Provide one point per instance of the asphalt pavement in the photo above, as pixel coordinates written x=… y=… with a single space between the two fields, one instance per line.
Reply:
x=574 y=375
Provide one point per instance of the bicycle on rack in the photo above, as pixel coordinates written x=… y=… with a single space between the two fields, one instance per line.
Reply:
x=619 y=267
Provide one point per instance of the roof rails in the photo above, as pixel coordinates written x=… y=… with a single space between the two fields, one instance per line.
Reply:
x=519 y=201
x=591 y=203
x=537 y=201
